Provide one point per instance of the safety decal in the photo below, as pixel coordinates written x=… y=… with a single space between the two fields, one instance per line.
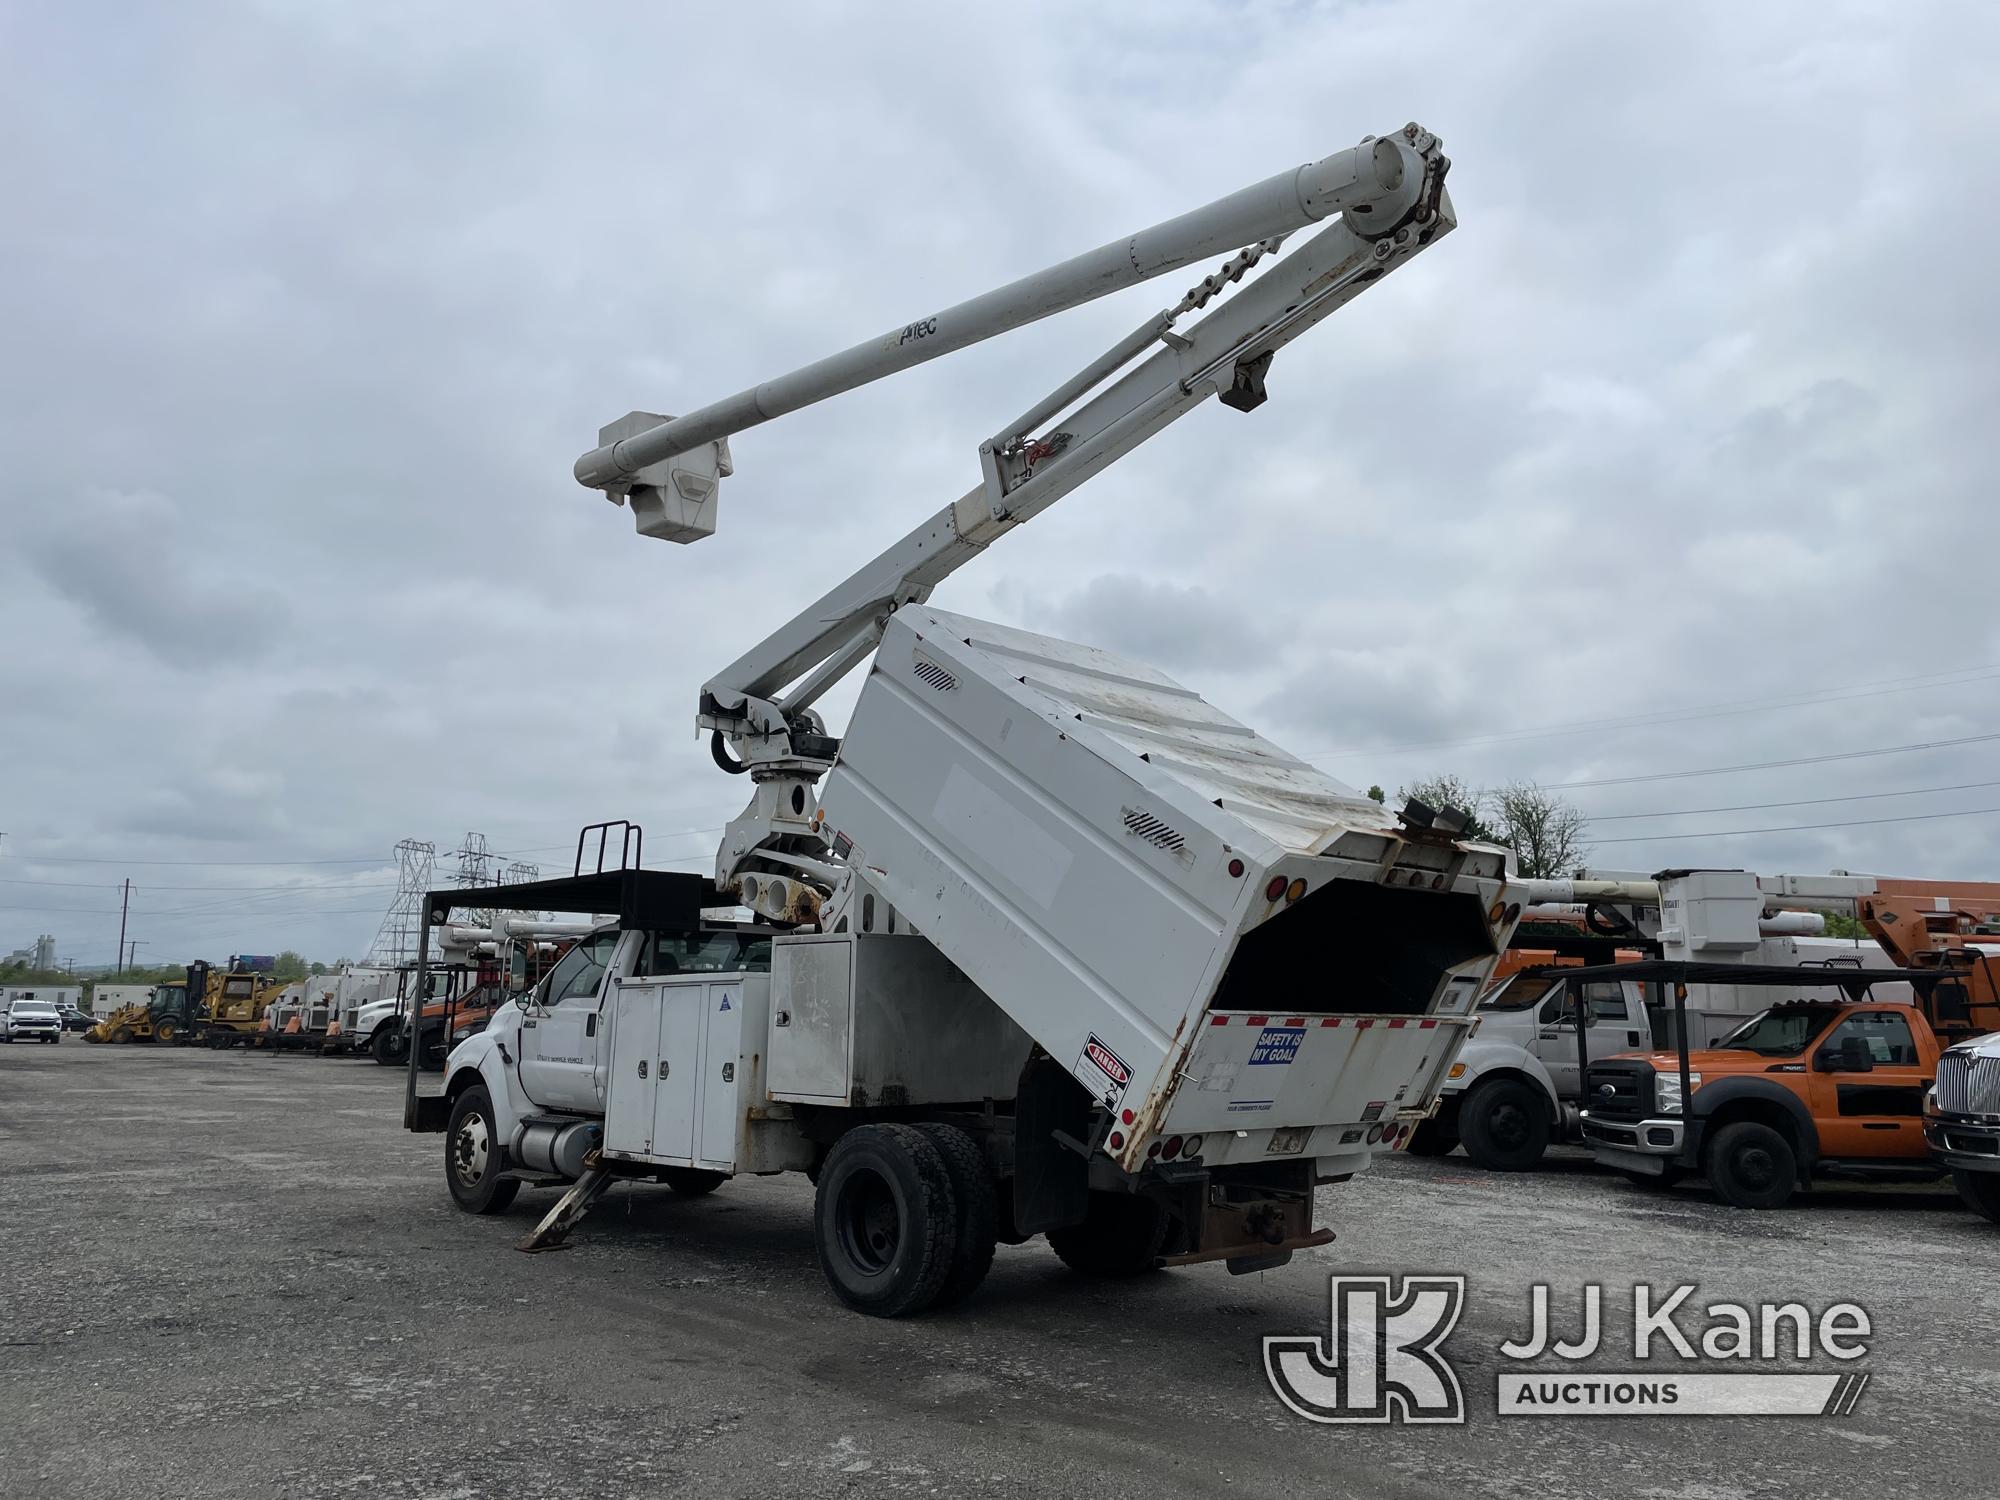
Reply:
x=1276 y=1045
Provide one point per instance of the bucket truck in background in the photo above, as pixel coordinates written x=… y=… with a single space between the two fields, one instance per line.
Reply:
x=1517 y=1087
x=1057 y=947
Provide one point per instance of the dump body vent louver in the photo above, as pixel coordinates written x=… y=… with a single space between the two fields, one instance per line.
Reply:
x=1158 y=833
x=935 y=675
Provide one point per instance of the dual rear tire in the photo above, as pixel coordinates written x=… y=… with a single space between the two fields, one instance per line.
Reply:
x=904 y=1218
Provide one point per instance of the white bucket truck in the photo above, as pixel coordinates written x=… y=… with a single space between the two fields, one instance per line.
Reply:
x=1057 y=947
x=1518 y=1085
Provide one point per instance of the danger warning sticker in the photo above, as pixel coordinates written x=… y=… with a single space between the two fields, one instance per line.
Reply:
x=1102 y=1071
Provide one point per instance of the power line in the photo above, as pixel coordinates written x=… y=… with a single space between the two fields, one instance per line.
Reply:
x=1876 y=688
x=1732 y=833
x=1769 y=765
x=1694 y=812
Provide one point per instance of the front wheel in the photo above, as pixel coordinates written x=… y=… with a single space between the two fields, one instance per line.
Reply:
x=387 y=1046
x=1505 y=1124
x=1121 y=1235
x=884 y=1220
x=1752 y=1166
x=167 y=1029
x=473 y=1157
x=1980 y=1192
x=121 y=1033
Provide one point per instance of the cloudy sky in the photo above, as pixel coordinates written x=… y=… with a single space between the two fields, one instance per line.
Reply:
x=1676 y=457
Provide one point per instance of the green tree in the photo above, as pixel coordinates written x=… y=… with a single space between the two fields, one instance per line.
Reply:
x=1376 y=794
x=1545 y=832
x=288 y=966
x=1841 y=926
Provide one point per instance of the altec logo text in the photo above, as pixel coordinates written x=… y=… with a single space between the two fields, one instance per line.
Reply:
x=1383 y=1360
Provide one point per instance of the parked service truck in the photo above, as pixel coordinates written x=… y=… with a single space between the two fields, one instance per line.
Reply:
x=1057 y=947
x=1806 y=1089
x=1962 y=1118
x=1518 y=1085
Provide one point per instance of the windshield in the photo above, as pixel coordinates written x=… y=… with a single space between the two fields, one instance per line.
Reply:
x=1518 y=991
x=1782 y=1031
x=33 y=1008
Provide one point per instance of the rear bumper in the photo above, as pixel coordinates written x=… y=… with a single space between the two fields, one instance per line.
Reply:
x=1636 y=1145
x=1962 y=1145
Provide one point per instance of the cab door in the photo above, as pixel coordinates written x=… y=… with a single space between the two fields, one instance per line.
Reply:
x=1868 y=1082
x=563 y=1034
x=1612 y=1025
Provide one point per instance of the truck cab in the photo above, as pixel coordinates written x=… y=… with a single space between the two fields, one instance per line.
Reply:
x=1802 y=1090
x=543 y=1063
x=1518 y=1083
x=1962 y=1121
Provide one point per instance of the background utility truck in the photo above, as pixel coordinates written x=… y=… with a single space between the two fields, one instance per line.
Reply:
x=1962 y=1118
x=1050 y=950
x=1518 y=1084
x=1808 y=1088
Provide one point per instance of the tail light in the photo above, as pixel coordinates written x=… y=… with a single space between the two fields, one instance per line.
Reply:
x=1191 y=1147
x=1275 y=888
x=1172 y=1148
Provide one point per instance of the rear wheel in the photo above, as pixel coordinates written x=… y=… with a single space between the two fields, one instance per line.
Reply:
x=692 y=1182
x=1120 y=1235
x=972 y=1186
x=1505 y=1124
x=1433 y=1138
x=1981 y=1192
x=1750 y=1165
x=473 y=1158
x=884 y=1220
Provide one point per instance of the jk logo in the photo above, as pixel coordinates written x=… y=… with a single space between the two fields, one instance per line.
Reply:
x=1381 y=1361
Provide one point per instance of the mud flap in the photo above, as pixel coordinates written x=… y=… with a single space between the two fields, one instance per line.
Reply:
x=1051 y=1178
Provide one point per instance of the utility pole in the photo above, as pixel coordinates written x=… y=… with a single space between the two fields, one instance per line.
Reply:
x=123 y=905
x=135 y=945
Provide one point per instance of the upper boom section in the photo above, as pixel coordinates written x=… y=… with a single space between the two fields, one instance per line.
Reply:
x=1378 y=184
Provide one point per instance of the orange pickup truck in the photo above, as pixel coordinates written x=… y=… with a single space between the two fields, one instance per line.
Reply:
x=1802 y=1090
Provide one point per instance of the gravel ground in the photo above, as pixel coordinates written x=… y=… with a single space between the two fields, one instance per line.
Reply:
x=234 y=1275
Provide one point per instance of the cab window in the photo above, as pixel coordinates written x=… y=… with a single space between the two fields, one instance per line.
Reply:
x=1782 y=1031
x=705 y=953
x=1885 y=1034
x=580 y=972
x=1517 y=991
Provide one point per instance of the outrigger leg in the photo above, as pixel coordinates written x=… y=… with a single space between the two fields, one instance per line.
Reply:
x=570 y=1208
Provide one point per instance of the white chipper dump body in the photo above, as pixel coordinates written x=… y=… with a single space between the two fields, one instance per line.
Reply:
x=1041 y=943
x=1213 y=937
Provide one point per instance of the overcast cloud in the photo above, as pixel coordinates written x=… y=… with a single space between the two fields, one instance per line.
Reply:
x=308 y=309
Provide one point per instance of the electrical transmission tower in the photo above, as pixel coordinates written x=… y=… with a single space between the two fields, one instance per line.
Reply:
x=519 y=873
x=396 y=942
x=476 y=867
